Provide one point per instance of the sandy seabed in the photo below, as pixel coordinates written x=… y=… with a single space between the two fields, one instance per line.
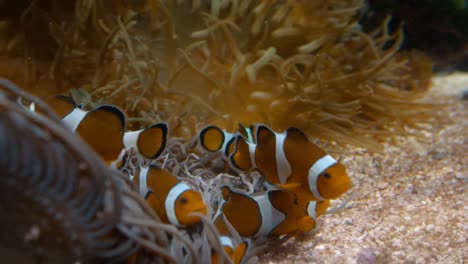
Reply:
x=411 y=200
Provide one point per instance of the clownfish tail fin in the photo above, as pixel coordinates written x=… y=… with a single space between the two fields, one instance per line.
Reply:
x=152 y=140
x=212 y=138
x=241 y=158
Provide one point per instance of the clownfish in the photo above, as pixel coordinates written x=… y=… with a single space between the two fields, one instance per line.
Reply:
x=172 y=200
x=214 y=139
x=235 y=253
x=290 y=161
x=273 y=213
x=102 y=128
x=149 y=142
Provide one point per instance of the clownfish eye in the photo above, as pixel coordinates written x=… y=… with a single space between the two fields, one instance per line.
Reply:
x=327 y=175
x=183 y=200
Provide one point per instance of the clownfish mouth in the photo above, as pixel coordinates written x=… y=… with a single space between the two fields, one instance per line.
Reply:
x=201 y=210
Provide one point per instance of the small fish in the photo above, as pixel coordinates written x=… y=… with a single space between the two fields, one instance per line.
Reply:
x=273 y=213
x=149 y=142
x=213 y=138
x=102 y=128
x=290 y=161
x=236 y=254
x=172 y=200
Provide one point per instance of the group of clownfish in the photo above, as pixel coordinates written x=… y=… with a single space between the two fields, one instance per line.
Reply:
x=302 y=178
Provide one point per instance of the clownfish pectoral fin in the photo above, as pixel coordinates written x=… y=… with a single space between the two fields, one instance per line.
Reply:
x=306 y=224
x=103 y=129
x=152 y=140
x=242 y=158
x=296 y=134
x=292 y=186
x=212 y=138
x=240 y=252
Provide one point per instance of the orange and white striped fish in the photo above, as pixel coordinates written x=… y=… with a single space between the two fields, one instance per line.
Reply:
x=273 y=213
x=292 y=162
x=172 y=200
x=102 y=128
x=213 y=138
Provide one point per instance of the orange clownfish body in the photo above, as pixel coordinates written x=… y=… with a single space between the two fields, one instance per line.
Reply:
x=149 y=142
x=290 y=161
x=273 y=213
x=172 y=200
x=214 y=139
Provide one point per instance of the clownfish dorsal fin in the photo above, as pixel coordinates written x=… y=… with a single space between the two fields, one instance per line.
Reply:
x=160 y=181
x=297 y=134
x=264 y=134
x=62 y=104
x=150 y=142
x=242 y=157
x=301 y=154
x=300 y=138
x=103 y=129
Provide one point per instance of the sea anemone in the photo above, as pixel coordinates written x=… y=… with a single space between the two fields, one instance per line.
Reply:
x=283 y=63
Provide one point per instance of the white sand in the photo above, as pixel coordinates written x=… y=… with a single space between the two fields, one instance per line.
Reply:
x=411 y=203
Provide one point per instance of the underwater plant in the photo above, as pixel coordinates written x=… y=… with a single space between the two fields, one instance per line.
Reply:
x=306 y=64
